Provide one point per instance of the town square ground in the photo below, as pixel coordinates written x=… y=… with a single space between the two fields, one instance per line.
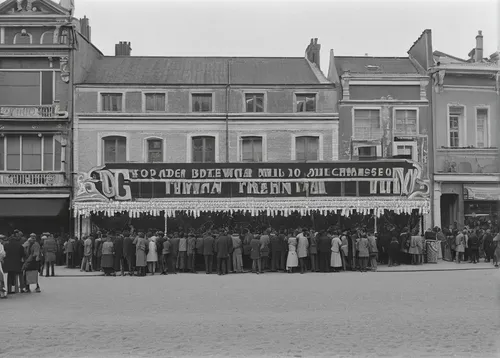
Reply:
x=382 y=314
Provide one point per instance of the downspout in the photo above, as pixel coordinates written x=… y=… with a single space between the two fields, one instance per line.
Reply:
x=71 y=142
x=228 y=88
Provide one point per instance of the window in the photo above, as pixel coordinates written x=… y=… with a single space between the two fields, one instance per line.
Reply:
x=112 y=102
x=482 y=127
x=456 y=114
x=307 y=148
x=30 y=153
x=202 y=102
x=369 y=152
x=367 y=124
x=27 y=88
x=115 y=150
x=63 y=38
x=405 y=122
x=155 y=150
x=23 y=38
x=47 y=87
x=406 y=150
x=155 y=102
x=306 y=102
x=203 y=149
x=254 y=102
x=47 y=38
x=251 y=149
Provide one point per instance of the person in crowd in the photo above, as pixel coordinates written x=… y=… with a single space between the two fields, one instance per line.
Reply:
x=159 y=249
x=31 y=266
x=313 y=251
x=364 y=252
x=98 y=252
x=49 y=252
x=167 y=264
x=208 y=251
x=107 y=257
x=200 y=258
x=118 y=254
x=336 y=255
x=324 y=251
x=13 y=264
x=3 y=292
x=223 y=249
x=264 y=249
x=255 y=254
x=152 y=256
x=129 y=253
x=394 y=248
x=383 y=242
x=496 y=251
x=344 y=250
x=292 y=259
x=70 y=250
x=237 y=252
x=372 y=240
x=87 y=255
x=182 y=253
x=460 y=241
x=275 y=247
x=473 y=244
x=79 y=245
x=191 y=253
x=302 y=250
x=487 y=246
x=141 y=248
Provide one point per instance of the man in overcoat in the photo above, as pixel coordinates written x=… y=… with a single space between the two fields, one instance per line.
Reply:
x=224 y=247
x=208 y=251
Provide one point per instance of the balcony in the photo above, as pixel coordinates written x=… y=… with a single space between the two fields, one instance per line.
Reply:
x=467 y=160
x=32 y=180
x=367 y=133
x=33 y=112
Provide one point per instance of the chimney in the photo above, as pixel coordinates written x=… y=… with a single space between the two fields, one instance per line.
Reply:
x=478 y=56
x=123 y=49
x=85 y=27
x=313 y=51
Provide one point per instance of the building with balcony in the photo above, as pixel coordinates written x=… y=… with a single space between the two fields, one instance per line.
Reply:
x=467 y=123
x=41 y=44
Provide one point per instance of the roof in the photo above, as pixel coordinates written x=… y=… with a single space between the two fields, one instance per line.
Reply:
x=447 y=58
x=375 y=65
x=133 y=70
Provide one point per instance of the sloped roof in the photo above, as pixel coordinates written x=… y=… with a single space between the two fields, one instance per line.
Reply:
x=375 y=65
x=129 y=70
x=438 y=55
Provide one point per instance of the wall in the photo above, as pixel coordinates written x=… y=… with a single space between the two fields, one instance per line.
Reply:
x=377 y=92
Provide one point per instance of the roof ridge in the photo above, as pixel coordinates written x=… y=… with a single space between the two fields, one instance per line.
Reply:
x=220 y=57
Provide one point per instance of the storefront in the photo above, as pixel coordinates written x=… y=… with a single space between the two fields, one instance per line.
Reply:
x=271 y=189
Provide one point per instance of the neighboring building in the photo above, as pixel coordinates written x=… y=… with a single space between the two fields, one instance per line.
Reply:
x=467 y=112
x=385 y=116
x=145 y=111
x=38 y=57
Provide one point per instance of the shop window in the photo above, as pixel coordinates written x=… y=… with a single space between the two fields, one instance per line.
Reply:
x=251 y=149
x=307 y=149
x=155 y=150
x=364 y=188
x=114 y=149
x=203 y=150
x=254 y=102
x=202 y=102
x=155 y=102
x=482 y=128
x=30 y=153
x=351 y=188
x=111 y=102
x=405 y=122
x=455 y=118
x=306 y=102
x=367 y=124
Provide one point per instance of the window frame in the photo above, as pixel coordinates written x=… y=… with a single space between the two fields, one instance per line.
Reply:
x=20 y=34
x=305 y=93
x=462 y=121
x=255 y=92
x=144 y=99
x=263 y=137
x=189 y=144
x=417 y=123
x=195 y=93
x=308 y=134
x=353 y=116
x=100 y=101
x=100 y=145
x=145 y=151
x=43 y=36
x=413 y=144
x=355 y=149
x=487 y=143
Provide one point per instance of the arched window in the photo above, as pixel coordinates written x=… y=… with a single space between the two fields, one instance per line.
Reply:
x=114 y=149
x=154 y=150
x=47 y=38
x=23 y=38
x=203 y=149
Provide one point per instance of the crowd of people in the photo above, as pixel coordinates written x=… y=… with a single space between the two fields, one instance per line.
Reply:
x=224 y=251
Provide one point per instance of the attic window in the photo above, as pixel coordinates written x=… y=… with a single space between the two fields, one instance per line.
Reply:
x=373 y=67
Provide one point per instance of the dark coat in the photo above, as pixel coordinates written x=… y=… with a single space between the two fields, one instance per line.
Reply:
x=275 y=244
x=33 y=260
x=174 y=248
x=118 y=244
x=255 y=245
x=159 y=245
x=224 y=246
x=128 y=247
x=473 y=242
x=208 y=245
x=14 y=254
x=324 y=244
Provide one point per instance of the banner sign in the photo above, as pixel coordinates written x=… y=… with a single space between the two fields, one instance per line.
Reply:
x=129 y=181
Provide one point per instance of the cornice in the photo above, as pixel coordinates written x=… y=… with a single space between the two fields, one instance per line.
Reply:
x=208 y=116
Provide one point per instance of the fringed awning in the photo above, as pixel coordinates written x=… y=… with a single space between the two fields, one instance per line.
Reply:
x=255 y=206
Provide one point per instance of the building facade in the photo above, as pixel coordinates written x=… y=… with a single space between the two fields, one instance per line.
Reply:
x=138 y=111
x=39 y=46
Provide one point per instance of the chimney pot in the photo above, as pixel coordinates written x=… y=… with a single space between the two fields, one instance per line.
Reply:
x=478 y=55
x=316 y=41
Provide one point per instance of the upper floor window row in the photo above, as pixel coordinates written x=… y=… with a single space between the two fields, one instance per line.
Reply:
x=47 y=38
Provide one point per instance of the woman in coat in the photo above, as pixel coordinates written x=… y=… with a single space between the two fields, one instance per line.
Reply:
x=302 y=249
x=141 y=246
x=152 y=256
x=13 y=264
x=255 y=254
x=32 y=265
x=107 y=257
x=49 y=251
x=364 y=252
x=336 y=258
x=292 y=260
x=413 y=251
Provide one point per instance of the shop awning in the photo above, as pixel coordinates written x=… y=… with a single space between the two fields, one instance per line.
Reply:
x=255 y=206
x=483 y=192
x=33 y=207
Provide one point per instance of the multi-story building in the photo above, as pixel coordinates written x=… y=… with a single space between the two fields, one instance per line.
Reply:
x=40 y=44
x=137 y=119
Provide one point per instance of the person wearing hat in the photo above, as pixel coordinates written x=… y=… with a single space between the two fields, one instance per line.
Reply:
x=461 y=241
x=49 y=252
x=3 y=293
x=31 y=266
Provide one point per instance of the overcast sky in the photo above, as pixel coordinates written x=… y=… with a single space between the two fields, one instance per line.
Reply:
x=284 y=28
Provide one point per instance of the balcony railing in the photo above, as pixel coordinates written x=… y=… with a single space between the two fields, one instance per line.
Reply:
x=43 y=111
x=13 y=179
x=366 y=133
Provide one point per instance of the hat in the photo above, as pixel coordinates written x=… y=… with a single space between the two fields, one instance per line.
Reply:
x=32 y=234
x=44 y=237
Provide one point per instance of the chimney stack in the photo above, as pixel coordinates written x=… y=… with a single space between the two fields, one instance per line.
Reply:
x=85 y=27
x=313 y=52
x=123 y=49
x=478 y=55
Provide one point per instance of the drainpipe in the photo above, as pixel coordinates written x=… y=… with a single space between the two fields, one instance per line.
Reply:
x=228 y=88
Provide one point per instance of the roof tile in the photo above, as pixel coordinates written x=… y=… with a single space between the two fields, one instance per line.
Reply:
x=380 y=65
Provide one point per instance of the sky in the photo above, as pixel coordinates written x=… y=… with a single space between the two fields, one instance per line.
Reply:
x=279 y=28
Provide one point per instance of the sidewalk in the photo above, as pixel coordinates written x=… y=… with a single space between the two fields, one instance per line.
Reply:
x=62 y=271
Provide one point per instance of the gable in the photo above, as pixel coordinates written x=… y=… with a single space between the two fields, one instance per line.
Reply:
x=31 y=7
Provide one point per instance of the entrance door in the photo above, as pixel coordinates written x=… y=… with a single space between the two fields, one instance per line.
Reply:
x=449 y=209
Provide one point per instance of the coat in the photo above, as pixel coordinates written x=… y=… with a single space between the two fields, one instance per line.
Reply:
x=174 y=248
x=224 y=246
x=255 y=249
x=50 y=250
x=208 y=245
x=302 y=246
x=324 y=244
x=372 y=240
x=14 y=254
x=87 y=247
x=108 y=251
x=32 y=262
x=128 y=247
x=152 y=255
x=191 y=245
x=313 y=244
x=460 y=242
x=237 y=244
x=140 y=252
x=363 y=247
x=275 y=243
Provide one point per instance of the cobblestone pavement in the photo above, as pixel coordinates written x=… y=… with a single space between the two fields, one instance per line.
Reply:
x=414 y=314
